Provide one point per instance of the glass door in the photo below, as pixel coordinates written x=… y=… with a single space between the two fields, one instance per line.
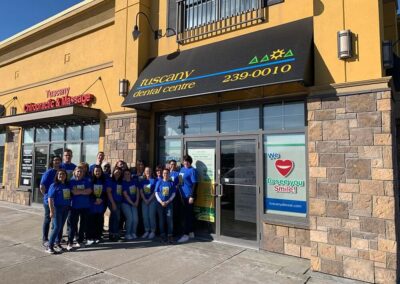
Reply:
x=41 y=159
x=237 y=197
x=203 y=154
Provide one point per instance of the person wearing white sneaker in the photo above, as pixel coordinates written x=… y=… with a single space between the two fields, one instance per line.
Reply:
x=149 y=205
x=130 y=203
x=187 y=188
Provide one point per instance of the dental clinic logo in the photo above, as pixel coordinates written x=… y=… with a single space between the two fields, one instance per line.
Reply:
x=284 y=167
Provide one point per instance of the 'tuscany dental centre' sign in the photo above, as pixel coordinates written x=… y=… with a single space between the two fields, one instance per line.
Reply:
x=59 y=98
x=270 y=56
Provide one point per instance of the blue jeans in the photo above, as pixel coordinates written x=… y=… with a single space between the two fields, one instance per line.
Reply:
x=58 y=221
x=166 y=213
x=132 y=219
x=114 y=219
x=46 y=223
x=149 y=215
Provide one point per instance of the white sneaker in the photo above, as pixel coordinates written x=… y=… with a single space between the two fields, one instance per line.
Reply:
x=145 y=235
x=151 y=236
x=191 y=235
x=69 y=247
x=133 y=236
x=77 y=245
x=89 y=242
x=183 y=239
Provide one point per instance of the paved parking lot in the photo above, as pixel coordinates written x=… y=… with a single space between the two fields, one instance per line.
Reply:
x=23 y=260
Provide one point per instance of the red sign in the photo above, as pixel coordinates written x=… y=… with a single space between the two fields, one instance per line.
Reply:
x=84 y=99
x=284 y=167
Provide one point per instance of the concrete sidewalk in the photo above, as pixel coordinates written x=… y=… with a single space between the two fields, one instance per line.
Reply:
x=23 y=260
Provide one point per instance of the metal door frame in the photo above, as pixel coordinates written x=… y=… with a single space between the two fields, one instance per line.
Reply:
x=259 y=176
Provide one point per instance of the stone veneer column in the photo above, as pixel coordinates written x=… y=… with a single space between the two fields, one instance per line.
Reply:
x=10 y=192
x=127 y=137
x=351 y=187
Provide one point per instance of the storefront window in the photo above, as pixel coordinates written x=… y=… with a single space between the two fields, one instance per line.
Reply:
x=284 y=116
x=29 y=135
x=170 y=125
x=200 y=122
x=42 y=135
x=57 y=133
x=56 y=150
x=76 y=152
x=74 y=133
x=240 y=119
x=2 y=146
x=170 y=149
x=91 y=132
x=89 y=152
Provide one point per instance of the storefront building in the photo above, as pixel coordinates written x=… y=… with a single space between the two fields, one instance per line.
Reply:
x=296 y=149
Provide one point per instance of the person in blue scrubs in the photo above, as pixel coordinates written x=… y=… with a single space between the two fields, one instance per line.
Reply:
x=165 y=194
x=81 y=191
x=47 y=179
x=59 y=200
x=187 y=189
x=130 y=203
x=96 y=216
x=149 y=204
x=114 y=194
x=99 y=161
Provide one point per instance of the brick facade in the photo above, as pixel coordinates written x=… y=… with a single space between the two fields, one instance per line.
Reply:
x=351 y=187
x=10 y=192
x=127 y=138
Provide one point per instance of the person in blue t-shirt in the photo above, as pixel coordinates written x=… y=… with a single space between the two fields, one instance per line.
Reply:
x=149 y=205
x=99 y=161
x=130 y=192
x=165 y=194
x=81 y=191
x=59 y=199
x=96 y=216
x=174 y=177
x=67 y=163
x=187 y=189
x=158 y=171
x=47 y=179
x=114 y=194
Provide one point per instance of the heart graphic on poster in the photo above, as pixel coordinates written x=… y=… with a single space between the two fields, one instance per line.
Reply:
x=284 y=167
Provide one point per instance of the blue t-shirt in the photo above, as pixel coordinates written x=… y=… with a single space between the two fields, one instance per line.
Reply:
x=165 y=189
x=187 y=179
x=69 y=168
x=116 y=190
x=148 y=186
x=80 y=201
x=174 y=177
x=132 y=188
x=61 y=193
x=99 y=191
x=47 y=179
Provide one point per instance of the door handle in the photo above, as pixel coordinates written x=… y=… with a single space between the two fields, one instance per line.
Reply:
x=221 y=191
x=214 y=190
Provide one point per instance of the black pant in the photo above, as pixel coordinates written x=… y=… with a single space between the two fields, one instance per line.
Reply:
x=95 y=226
x=188 y=216
x=76 y=215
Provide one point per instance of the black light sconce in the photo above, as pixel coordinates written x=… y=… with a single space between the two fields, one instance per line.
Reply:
x=345 y=44
x=123 y=87
x=387 y=54
x=157 y=33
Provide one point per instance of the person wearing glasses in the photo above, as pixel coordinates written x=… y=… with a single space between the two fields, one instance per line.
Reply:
x=45 y=183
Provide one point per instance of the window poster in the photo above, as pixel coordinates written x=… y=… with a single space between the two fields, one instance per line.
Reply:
x=204 y=162
x=285 y=176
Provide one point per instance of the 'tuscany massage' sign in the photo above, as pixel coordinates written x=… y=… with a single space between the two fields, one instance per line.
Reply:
x=59 y=98
x=275 y=55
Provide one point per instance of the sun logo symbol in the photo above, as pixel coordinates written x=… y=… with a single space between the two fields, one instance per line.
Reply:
x=276 y=54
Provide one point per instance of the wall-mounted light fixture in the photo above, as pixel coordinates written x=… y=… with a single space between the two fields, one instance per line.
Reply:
x=157 y=33
x=345 y=44
x=123 y=87
x=387 y=54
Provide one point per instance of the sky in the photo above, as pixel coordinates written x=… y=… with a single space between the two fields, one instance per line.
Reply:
x=18 y=15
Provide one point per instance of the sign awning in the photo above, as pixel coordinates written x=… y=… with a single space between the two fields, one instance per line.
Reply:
x=59 y=115
x=271 y=56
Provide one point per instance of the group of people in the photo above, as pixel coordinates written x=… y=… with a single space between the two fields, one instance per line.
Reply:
x=79 y=195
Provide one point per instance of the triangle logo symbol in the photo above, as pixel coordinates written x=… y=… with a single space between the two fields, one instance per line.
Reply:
x=289 y=53
x=254 y=60
x=265 y=58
